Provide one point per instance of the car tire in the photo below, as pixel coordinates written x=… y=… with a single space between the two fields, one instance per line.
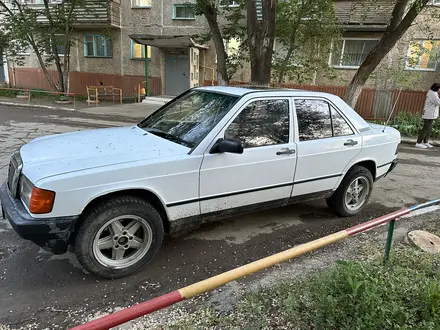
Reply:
x=118 y=237
x=342 y=201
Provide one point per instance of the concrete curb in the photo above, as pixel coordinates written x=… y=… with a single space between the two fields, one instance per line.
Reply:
x=47 y=107
x=76 y=111
x=408 y=140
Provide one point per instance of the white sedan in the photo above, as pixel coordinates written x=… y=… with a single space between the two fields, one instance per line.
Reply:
x=210 y=153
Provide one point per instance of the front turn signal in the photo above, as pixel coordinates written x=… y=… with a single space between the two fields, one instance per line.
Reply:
x=41 y=201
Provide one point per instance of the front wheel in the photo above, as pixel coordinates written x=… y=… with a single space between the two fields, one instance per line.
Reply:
x=353 y=193
x=119 y=237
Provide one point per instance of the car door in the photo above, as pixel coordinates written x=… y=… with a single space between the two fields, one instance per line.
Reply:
x=263 y=173
x=326 y=143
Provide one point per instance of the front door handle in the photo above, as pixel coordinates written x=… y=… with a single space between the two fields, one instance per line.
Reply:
x=350 y=143
x=285 y=151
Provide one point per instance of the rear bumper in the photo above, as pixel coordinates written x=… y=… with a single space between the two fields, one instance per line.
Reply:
x=392 y=165
x=52 y=234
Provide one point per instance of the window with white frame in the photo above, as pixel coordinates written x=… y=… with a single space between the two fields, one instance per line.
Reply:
x=228 y=3
x=350 y=53
x=41 y=2
x=423 y=55
x=97 y=45
x=138 y=51
x=184 y=11
x=141 y=3
x=434 y=2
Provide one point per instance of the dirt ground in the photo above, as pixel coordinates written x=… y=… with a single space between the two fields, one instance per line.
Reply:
x=39 y=290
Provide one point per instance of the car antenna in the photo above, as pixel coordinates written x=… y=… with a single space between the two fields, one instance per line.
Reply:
x=392 y=110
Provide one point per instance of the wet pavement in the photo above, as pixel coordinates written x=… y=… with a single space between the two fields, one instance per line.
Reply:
x=41 y=291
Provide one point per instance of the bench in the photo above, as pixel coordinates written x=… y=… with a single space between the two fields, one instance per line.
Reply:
x=94 y=93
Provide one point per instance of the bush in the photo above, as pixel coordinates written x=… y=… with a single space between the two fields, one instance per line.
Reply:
x=351 y=295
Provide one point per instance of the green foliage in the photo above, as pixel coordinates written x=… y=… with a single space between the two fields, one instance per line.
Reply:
x=405 y=294
x=45 y=30
x=230 y=21
x=409 y=124
x=305 y=32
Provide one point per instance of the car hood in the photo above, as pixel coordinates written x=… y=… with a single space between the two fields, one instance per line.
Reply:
x=69 y=152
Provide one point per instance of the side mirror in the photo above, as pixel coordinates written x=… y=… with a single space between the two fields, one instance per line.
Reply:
x=227 y=145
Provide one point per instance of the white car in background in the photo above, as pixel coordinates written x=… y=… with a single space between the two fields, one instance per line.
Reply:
x=210 y=153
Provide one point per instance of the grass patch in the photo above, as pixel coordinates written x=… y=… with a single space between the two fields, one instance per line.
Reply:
x=405 y=294
x=409 y=124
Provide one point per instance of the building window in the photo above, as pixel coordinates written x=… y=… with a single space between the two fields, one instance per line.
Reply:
x=184 y=11
x=60 y=44
x=96 y=45
x=434 y=3
x=140 y=3
x=423 y=55
x=138 y=51
x=228 y=3
x=350 y=53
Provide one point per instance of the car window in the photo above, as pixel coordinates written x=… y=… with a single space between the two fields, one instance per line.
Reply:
x=261 y=123
x=187 y=120
x=314 y=121
x=340 y=125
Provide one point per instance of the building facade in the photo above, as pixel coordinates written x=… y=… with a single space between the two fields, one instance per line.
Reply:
x=109 y=48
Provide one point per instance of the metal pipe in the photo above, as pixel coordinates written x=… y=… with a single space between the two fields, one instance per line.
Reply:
x=130 y=313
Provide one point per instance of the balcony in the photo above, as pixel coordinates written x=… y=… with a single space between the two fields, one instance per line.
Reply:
x=95 y=13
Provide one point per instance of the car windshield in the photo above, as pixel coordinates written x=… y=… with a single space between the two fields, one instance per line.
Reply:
x=189 y=119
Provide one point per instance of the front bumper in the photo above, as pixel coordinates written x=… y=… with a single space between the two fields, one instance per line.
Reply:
x=52 y=234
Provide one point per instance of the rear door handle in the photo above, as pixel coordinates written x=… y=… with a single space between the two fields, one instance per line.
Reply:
x=350 y=143
x=285 y=151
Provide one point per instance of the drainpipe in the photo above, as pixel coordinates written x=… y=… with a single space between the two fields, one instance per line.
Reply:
x=213 y=74
x=147 y=84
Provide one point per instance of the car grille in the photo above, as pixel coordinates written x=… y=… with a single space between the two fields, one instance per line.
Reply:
x=15 y=166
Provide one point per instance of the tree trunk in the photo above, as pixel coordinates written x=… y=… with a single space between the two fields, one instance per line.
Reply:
x=284 y=64
x=53 y=45
x=32 y=42
x=68 y=31
x=261 y=35
x=210 y=14
x=43 y=66
x=394 y=32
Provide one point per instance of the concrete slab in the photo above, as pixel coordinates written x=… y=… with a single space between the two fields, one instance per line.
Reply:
x=133 y=110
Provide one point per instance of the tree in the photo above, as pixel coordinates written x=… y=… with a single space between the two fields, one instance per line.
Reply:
x=47 y=30
x=403 y=15
x=261 y=27
x=305 y=29
x=214 y=13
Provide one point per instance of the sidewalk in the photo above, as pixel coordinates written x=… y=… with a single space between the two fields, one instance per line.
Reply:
x=413 y=140
x=137 y=111
x=131 y=110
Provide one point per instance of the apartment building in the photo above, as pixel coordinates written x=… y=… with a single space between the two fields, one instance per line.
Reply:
x=413 y=63
x=109 y=47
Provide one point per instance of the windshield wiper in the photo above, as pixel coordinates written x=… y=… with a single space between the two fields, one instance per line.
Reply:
x=168 y=136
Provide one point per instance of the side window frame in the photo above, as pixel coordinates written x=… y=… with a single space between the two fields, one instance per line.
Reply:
x=331 y=104
x=221 y=133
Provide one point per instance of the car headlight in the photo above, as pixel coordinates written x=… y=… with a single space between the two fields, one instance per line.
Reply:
x=38 y=201
x=26 y=188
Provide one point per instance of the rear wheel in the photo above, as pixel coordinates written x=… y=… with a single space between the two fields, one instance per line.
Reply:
x=119 y=237
x=353 y=193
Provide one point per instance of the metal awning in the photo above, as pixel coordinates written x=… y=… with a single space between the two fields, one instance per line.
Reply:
x=162 y=41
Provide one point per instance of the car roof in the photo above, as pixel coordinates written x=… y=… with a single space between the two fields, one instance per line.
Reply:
x=243 y=90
